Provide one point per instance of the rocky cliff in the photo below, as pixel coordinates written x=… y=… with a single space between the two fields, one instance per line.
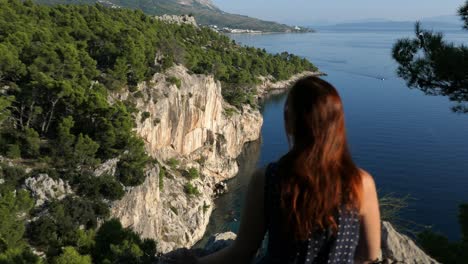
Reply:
x=195 y=136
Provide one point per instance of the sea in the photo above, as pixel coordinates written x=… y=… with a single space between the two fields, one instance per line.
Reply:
x=413 y=144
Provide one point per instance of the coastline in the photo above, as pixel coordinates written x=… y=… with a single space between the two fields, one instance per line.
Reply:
x=268 y=87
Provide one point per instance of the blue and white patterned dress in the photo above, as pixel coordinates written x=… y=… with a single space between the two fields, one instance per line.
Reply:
x=321 y=247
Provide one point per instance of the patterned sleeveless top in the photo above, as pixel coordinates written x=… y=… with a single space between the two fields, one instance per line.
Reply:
x=321 y=247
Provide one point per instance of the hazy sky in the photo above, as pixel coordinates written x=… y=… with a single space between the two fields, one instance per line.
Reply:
x=310 y=11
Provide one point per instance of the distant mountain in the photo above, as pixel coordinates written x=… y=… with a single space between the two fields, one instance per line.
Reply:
x=431 y=24
x=205 y=11
x=450 y=19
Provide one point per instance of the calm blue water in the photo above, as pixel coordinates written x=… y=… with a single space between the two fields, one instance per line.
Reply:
x=411 y=143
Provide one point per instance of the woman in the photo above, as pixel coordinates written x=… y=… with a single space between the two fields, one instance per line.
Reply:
x=315 y=203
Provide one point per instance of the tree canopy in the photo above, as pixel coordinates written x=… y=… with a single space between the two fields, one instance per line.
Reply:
x=433 y=65
x=58 y=66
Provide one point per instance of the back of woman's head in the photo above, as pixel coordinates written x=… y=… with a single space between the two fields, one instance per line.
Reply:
x=318 y=174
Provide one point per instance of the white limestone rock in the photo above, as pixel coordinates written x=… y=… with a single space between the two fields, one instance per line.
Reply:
x=108 y=167
x=178 y=19
x=219 y=241
x=398 y=248
x=44 y=188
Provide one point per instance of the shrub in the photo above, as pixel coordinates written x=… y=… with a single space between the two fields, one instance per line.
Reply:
x=443 y=250
x=205 y=207
x=13 y=151
x=162 y=174
x=156 y=121
x=144 y=116
x=104 y=186
x=138 y=94
x=173 y=163
x=130 y=169
x=13 y=175
x=192 y=174
x=191 y=190
x=71 y=256
x=31 y=143
x=229 y=112
x=175 y=81
x=115 y=244
x=201 y=160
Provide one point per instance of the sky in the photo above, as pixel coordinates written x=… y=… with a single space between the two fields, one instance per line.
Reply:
x=306 y=12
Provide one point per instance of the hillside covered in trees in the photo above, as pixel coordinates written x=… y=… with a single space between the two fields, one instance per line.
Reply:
x=205 y=12
x=57 y=67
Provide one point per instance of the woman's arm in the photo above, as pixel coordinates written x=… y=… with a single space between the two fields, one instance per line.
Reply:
x=368 y=249
x=252 y=227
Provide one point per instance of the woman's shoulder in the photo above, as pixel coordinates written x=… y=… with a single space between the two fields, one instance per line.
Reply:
x=369 y=193
x=368 y=183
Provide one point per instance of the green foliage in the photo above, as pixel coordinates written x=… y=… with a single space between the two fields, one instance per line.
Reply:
x=14 y=208
x=429 y=63
x=13 y=151
x=203 y=15
x=59 y=228
x=229 y=112
x=191 y=190
x=441 y=248
x=71 y=256
x=58 y=66
x=102 y=187
x=85 y=150
x=156 y=121
x=144 y=116
x=192 y=173
x=115 y=244
x=5 y=103
x=162 y=175
x=463 y=12
x=173 y=163
x=205 y=207
x=391 y=207
x=130 y=169
x=238 y=96
x=174 y=81
x=30 y=143
x=12 y=175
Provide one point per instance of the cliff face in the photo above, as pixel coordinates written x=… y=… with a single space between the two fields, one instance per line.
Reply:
x=183 y=118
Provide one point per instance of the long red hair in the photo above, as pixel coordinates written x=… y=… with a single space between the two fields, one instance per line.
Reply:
x=318 y=175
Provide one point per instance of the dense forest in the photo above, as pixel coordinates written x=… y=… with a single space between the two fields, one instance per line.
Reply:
x=57 y=66
x=205 y=14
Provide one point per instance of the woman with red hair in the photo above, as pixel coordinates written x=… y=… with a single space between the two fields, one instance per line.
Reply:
x=315 y=204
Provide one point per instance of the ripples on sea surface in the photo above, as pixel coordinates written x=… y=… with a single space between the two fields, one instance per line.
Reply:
x=411 y=143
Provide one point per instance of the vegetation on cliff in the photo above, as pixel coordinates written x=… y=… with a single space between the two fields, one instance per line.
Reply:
x=206 y=14
x=58 y=66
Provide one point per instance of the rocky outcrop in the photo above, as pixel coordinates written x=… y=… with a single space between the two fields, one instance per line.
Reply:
x=219 y=241
x=179 y=20
x=108 y=167
x=184 y=124
x=44 y=188
x=396 y=247
x=269 y=86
